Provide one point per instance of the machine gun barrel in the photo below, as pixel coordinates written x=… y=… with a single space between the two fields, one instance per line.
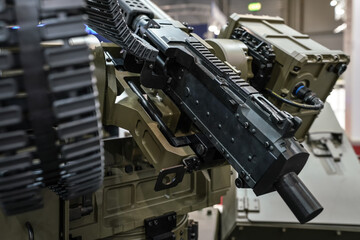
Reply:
x=299 y=199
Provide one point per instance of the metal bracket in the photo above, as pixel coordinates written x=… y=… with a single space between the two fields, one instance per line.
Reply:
x=193 y=230
x=169 y=177
x=160 y=228
x=326 y=145
x=248 y=203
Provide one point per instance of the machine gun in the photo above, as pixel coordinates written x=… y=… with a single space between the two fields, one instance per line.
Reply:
x=254 y=136
x=189 y=114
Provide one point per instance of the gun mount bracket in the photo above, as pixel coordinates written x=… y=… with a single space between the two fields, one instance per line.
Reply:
x=161 y=227
x=169 y=177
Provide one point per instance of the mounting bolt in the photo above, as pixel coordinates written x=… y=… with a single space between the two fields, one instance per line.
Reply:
x=267 y=144
x=246 y=125
x=200 y=149
x=219 y=126
x=151 y=66
x=250 y=157
x=232 y=140
x=247 y=178
x=239 y=183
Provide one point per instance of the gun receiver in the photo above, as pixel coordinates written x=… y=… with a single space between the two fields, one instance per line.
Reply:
x=255 y=137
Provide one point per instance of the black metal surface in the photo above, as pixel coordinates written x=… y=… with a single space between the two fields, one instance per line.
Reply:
x=299 y=199
x=207 y=155
x=107 y=19
x=263 y=57
x=159 y=228
x=230 y=112
x=169 y=177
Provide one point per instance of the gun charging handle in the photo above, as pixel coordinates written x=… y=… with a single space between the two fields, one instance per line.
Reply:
x=299 y=199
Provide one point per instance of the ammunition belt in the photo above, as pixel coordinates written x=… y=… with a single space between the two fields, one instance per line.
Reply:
x=49 y=121
x=107 y=18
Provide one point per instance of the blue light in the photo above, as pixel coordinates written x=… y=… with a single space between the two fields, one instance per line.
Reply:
x=89 y=30
x=18 y=27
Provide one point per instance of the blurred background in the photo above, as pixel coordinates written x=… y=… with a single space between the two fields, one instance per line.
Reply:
x=333 y=23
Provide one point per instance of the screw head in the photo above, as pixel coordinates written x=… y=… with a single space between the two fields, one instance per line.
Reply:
x=200 y=149
x=239 y=183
